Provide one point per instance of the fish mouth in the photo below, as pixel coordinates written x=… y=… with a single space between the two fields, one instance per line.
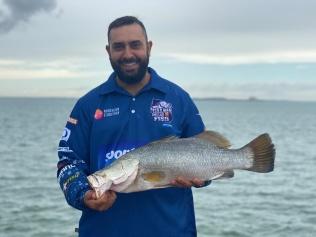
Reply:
x=99 y=184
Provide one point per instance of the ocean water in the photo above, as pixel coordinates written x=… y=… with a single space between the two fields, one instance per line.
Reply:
x=281 y=203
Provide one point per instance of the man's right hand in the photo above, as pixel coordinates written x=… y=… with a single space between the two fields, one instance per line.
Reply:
x=99 y=204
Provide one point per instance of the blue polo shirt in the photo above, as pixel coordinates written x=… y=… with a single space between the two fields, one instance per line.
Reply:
x=105 y=124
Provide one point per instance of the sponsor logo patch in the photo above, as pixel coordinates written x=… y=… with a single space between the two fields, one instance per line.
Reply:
x=72 y=121
x=70 y=180
x=66 y=134
x=67 y=168
x=98 y=114
x=64 y=149
x=111 y=112
x=116 y=154
x=161 y=111
x=111 y=152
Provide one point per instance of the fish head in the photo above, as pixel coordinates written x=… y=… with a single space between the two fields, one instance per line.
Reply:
x=129 y=171
x=116 y=177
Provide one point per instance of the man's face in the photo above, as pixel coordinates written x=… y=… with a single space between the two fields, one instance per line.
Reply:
x=129 y=53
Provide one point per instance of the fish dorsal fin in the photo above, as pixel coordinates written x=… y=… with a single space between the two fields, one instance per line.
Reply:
x=165 y=139
x=169 y=138
x=215 y=138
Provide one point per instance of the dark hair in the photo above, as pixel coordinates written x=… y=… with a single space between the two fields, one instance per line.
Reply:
x=126 y=20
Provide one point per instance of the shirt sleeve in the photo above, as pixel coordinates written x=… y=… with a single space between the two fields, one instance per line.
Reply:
x=73 y=153
x=192 y=123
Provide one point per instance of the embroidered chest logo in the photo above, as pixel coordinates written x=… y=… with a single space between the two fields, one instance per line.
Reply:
x=111 y=112
x=99 y=114
x=161 y=111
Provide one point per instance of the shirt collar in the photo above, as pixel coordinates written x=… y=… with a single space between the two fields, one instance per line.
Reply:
x=156 y=82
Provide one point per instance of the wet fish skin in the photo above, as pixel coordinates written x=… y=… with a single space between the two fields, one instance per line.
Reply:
x=206 y=157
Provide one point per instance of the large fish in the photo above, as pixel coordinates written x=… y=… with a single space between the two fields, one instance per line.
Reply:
x=205 y=156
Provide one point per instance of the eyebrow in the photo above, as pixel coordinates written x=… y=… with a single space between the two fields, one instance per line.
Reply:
x=131 y=43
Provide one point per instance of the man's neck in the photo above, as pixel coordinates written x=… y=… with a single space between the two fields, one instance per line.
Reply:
x=133 y=89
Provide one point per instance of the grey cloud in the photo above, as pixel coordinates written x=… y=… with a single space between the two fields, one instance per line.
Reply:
x=21 y=10
x=241 y=16
x=266 y=15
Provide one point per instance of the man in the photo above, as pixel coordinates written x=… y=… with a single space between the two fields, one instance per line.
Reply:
x=133 y=107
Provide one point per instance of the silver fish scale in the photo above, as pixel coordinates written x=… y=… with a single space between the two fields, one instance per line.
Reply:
x=190 y=157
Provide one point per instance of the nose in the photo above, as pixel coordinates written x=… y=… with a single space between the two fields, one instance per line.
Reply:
x=128 y=52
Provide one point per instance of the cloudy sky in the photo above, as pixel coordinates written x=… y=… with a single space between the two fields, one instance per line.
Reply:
x=211 y=48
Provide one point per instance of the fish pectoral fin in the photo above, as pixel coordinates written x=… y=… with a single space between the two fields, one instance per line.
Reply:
x=227 y=174
x=154 y=176
x=215 y=138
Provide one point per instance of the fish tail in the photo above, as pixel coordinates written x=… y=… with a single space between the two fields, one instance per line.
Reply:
x=264 y=154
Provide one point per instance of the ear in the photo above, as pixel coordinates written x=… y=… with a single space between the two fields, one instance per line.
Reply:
x=149 y=45
x=107 y=49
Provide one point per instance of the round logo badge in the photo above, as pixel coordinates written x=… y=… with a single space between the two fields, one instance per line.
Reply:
x=98 y=114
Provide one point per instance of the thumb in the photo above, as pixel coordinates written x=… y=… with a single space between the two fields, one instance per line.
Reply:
x=90 y=195
x=93 y=194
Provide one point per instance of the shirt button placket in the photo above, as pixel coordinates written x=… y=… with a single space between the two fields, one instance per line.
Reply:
x=133 y=106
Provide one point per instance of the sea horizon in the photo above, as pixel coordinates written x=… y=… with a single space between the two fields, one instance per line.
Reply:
x=250 y=99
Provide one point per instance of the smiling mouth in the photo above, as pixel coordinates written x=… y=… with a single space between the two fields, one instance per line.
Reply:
x=129 y=65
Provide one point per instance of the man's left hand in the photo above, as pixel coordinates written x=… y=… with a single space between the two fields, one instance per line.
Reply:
x=182 y=182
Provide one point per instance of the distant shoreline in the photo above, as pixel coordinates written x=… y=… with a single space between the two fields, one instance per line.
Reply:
x=225 y=98
x=250 y=99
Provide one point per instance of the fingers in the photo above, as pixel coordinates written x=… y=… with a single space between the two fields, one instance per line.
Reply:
x=182 y=182
x=99 y=204
x=90 y=195
x=106 y=200
x=198 y=182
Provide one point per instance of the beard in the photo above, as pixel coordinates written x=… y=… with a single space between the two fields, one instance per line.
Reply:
x=127 y=77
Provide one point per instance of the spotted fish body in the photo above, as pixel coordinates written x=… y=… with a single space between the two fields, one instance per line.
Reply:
x=205 y=157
